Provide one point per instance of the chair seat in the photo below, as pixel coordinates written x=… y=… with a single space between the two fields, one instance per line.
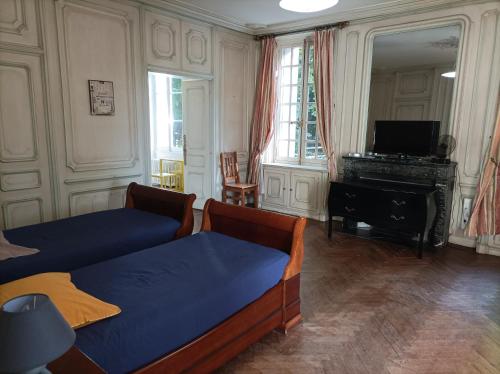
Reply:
x=240 y=186
x=163 y=175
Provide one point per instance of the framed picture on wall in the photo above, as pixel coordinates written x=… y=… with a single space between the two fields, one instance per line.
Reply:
x=102 y=98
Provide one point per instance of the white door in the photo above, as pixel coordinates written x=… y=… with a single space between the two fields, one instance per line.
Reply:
x=196 y=128
x=276 y=190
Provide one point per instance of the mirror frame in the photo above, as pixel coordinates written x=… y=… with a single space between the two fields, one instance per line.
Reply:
x=462 y=21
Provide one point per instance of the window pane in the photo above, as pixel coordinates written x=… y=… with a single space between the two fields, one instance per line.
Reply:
x=321 y=154
x=311 y=131
x=297 y=56
x=311 y=112
x=285 y=94
x=176 y=85
x=292 y=150
x=177 y=106
x=285 y=76
x=294 y=112
x=285 y=112
x=283 y=148
x=284 y=130
x=177 y=134
x=295 y=95
x=311 y=93
x=286 y=56
x=296 y=74
x=310 y=150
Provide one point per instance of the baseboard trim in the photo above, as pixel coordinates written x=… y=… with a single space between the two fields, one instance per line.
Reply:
x=462 y=241
x=485 y=250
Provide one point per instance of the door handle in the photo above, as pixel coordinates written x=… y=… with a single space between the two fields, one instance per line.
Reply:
x=399 y=203
x=401 y=218
x=184 y=149
x=350 y=210
x=350 y=195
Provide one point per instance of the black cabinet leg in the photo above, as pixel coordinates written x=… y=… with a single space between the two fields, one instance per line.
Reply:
x=330 y=224
x=420 y=245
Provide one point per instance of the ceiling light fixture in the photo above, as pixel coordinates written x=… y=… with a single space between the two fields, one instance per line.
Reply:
x=307 y=6
x=450 y=74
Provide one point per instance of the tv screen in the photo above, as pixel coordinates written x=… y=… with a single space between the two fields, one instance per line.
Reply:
x=412 y=138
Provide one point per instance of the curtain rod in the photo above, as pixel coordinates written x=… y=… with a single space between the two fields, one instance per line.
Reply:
x=339 y=25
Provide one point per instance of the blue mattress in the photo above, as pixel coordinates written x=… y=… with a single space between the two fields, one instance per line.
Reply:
x=71 y=243
x=171 y=294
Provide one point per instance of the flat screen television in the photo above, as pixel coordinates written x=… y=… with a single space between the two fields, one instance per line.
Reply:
x=409 y=138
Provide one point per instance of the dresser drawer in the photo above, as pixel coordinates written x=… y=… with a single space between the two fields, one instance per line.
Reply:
x=347 y=201
x=401 y=210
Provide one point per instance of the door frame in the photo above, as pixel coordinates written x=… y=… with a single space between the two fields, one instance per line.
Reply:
x=212 y=125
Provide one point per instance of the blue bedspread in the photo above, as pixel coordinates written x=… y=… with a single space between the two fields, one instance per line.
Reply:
x=171 y=294
x=71 y=243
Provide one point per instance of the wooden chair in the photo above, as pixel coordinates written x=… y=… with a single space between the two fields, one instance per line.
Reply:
x=231 y=181
x=161 y=173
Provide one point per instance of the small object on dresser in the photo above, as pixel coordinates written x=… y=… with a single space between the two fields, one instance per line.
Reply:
x=32 y=334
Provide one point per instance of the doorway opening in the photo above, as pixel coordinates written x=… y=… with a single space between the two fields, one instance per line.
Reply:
x=166 y=130
x=181 y=130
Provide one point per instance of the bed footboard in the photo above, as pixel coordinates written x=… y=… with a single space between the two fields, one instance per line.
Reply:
x=167 y=203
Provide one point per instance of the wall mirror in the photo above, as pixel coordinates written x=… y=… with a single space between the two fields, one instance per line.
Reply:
x=413 y=76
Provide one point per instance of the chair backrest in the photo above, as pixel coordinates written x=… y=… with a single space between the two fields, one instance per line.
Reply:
x=229 y=168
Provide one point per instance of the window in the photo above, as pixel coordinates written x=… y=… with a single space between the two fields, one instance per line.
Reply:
x=296 y=138
x=165 y=100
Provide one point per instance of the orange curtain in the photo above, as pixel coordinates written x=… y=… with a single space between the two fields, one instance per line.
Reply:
x=323 y=82
x=483 y=220
x=264 y=110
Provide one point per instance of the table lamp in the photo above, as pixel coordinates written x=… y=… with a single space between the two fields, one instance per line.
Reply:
x=32 y=334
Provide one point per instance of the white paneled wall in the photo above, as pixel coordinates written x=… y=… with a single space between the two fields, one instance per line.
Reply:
x=235 y=68
x=472 y=112
x=56 y=159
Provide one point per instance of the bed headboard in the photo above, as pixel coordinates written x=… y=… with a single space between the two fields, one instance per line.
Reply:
x=168 y=203
x=270 y=229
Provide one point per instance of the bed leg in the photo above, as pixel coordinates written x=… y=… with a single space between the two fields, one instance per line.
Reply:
x=291 y=304
x=288 y=325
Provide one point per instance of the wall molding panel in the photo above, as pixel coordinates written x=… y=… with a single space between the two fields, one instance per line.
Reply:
x=196 y=48
x=17 y=143
x=95 y=200
x=97 y=142
x=163 y=40
x=17 y=181
x=25 y=184
x=19 y=23
x=235 y=57
x=22 y=212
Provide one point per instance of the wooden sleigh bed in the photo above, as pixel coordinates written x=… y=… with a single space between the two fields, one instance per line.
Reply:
x=277 y=308
x=151 y=216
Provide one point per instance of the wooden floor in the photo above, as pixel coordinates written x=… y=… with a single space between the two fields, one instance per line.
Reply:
x=372 y=307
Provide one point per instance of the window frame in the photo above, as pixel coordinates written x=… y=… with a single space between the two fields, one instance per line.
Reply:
x=303 y=41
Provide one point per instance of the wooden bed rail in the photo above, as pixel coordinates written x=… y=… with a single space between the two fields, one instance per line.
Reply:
x=270 y=229
x=167 y=203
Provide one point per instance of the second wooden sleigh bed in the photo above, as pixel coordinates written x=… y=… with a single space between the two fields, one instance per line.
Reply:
x=277 y=308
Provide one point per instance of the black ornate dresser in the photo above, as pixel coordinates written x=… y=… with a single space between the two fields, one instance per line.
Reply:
x=396 y=193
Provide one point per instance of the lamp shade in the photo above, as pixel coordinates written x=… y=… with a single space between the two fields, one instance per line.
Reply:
x=32 y=333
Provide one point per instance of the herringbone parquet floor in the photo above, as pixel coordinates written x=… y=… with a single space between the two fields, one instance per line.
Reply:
x=372 y=307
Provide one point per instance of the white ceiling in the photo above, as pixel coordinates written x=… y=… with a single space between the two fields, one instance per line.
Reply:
x=267 y=14
x=437 y=46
